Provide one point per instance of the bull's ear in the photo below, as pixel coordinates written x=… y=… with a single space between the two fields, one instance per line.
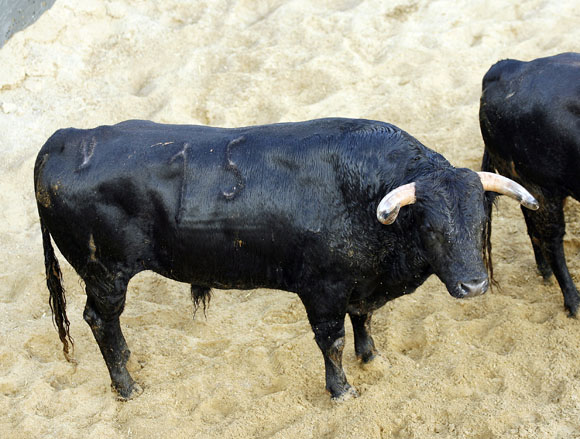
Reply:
x=391 y=203
x=502 y=185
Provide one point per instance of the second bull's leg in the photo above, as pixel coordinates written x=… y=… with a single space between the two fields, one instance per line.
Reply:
x=549 y=228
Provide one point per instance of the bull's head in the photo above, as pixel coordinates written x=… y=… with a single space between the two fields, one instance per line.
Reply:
x=451 y=219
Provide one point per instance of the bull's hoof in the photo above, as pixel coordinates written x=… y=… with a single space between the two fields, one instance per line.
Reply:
x=572 y=311
x=129 y=393
x=545 y=271
x=367 y=357
x=546 y=276
x=571 y=303
x=348 y=394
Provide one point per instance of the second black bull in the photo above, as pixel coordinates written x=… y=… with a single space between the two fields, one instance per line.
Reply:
x=530 y=122
x=311 y=208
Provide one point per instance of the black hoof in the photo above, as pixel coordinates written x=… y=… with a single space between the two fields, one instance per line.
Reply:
x=546 y=273
x=572 y=304
x=367 y=357
x=128 y=393
x=347 y=394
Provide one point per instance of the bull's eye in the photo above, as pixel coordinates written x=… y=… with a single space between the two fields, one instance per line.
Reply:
x=428 y=228
x=433 y=236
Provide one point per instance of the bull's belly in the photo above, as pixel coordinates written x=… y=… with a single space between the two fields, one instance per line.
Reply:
x=227 y=275
x=293 y=271
x=217 y=262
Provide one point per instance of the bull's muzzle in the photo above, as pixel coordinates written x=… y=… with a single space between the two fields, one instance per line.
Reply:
x=472 y=288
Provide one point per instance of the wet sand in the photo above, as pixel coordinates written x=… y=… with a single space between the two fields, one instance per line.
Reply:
x=506 y=364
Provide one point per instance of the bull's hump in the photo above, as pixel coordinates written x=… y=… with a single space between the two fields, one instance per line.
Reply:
x=297 y=130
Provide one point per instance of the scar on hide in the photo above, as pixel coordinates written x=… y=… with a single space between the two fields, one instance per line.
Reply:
x=513 y=169
x=161 y=144
x=231 y=166
x=87 y=149
x=335 y=351
x=181 y=154
x=92 y=248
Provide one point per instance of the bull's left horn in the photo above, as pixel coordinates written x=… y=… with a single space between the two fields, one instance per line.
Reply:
x=502 y=185
x=391 y=203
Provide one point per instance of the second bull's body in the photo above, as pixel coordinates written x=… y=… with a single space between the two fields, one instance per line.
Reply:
x=530 y=122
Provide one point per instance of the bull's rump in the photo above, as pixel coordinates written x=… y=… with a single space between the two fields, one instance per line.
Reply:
x=192 y=201
x=530 y=115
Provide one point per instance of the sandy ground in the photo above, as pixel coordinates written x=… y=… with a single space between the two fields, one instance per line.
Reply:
x=503 y=365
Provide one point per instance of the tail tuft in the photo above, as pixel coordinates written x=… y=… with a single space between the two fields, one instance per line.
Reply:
x=57 y=299
x=200 y=296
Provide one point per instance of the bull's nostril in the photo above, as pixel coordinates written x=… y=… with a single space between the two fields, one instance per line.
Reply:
x=474 y=288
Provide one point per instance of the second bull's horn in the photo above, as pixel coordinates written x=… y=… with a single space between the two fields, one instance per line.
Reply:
x=502 y=185
x=392 y=202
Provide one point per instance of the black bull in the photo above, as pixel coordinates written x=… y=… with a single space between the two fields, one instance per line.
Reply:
x=286 y=206
x=530 y=122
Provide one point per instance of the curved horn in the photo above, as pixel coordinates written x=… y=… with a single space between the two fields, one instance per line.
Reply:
x=391 y=203
x=502 y=185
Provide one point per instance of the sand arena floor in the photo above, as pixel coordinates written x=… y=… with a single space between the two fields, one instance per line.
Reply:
x=506 y=364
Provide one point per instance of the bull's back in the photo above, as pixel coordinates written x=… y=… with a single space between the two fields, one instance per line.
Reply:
x=530 y=116
x=194 y=201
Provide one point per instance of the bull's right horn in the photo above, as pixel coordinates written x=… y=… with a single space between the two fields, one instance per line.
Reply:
x=502 y=185
x=391 y=203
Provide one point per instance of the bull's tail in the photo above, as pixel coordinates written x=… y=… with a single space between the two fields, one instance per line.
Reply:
x=57 y=299
x=487 y=166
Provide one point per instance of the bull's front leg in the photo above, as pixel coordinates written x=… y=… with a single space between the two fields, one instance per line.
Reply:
x=329 y=336
x=326 y=310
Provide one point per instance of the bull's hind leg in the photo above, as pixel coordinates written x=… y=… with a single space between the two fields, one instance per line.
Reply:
x=543 y=266
x=104 y=306
x=546 y=227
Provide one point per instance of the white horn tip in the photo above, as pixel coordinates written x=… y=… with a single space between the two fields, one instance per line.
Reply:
x=387 y=216
x=506 y=186
x=530 y=203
